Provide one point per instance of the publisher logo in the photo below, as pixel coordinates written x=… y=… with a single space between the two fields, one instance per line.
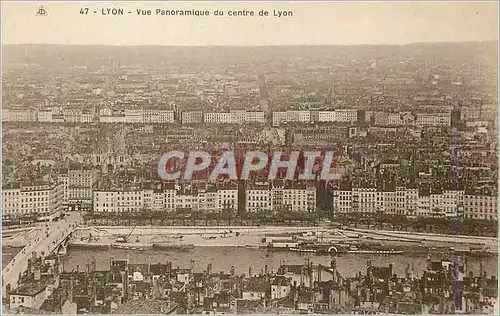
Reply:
x=41 y=11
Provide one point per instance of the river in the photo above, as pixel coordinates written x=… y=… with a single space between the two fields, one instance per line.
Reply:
x=224 y=258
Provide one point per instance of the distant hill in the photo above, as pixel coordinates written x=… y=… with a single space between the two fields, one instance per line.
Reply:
x=51 y=55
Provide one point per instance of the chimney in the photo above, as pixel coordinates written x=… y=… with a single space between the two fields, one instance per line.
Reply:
x=310 y=274
x=249 y=271
x=265 y=269
x=279 y=287
x=209 y=268
x=70 y=292
x=301 y=276
x=192 y=266
x=77 y=268
x=333 y=265
x=466 y=267
x=390 y=270
x=37 y=273
x=125 y=284
x=320 y=267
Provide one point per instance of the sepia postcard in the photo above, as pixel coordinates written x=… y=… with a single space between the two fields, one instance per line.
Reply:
x=238 y=157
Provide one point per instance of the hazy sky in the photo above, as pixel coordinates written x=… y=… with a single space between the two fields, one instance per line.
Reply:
x=319 y=23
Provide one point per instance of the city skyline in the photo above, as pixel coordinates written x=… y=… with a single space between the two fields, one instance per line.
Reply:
x=325 y=158
x=317 y=24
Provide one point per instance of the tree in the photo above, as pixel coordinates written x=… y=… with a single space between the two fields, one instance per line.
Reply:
x=227 y=214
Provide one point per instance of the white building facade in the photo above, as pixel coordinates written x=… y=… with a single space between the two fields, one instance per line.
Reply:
x=39 y=200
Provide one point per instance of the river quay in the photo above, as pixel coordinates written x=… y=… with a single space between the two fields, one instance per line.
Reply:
x=263 y=237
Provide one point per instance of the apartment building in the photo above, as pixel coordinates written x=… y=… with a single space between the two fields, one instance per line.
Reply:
x=279 y=118
x=256 y=117
x=207 y=200
x=393 y=119
x=238 y=116
x=192 y=117
x=235 y=117
x=470 y=113
x=347 y=115
x=406 y=201
x=119 y=201
x=480 y=207
x=259 y=198
x=297 y=199
x=86 y=118
x=44 y=116
x=78 y=185
x=387 y=119
x=389 y=205
x=187 y=200
x=112 y=119
x=263 y=197
x=18 y=115
x=424 y=206
x=327 y=116
x=166 y=198
x=341 y=115
x=342 y=201
x=297 y=116
x=302 y=116
x=158 y=116
x=72 y=115
x=407 y=118
x=433 y=119
x=366 y=200
x=227 y=198
x=402 y=201
x=40 y=199
x=448 y=204
x=134 y=116
x=453 y=203
x=218 y=118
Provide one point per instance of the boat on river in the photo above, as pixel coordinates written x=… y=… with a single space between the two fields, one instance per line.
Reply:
x=87 y=245
x=331 y=249
x=319 y=249
x=252 y=246
x=377 y=252
x=126 y=247
x=172 y=246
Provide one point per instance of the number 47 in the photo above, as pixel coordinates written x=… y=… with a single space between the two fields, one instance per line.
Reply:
x=84 y=10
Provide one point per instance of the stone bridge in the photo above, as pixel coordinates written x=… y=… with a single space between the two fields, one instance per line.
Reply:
x=47 y=240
